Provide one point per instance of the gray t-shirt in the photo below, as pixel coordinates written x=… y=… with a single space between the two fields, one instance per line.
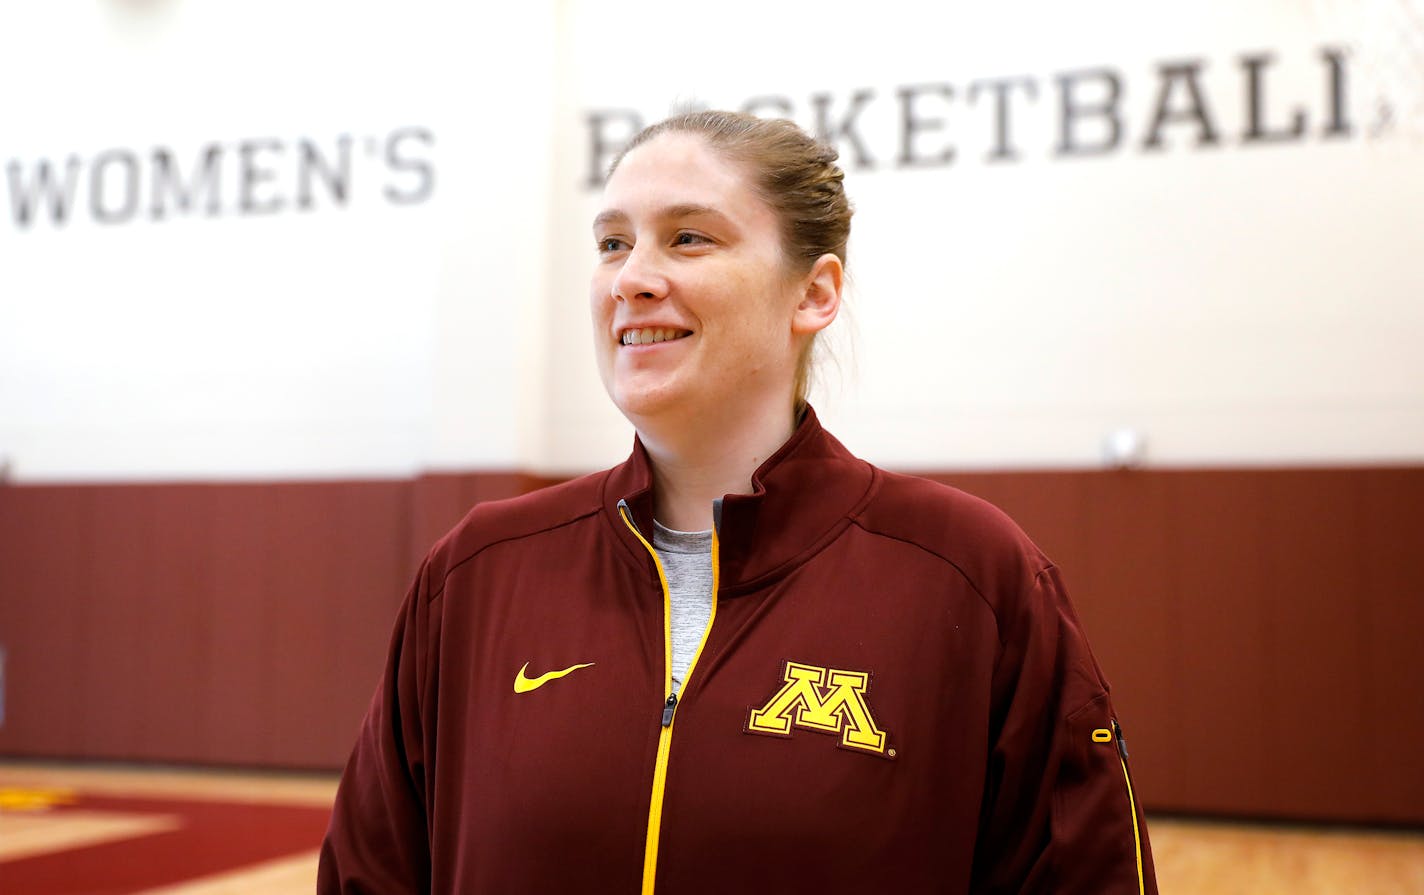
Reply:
x=687 y=561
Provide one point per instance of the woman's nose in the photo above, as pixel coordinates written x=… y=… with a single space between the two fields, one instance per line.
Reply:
x=639 y=277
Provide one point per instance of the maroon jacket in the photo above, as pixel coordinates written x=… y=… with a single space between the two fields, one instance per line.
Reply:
x=894 y=695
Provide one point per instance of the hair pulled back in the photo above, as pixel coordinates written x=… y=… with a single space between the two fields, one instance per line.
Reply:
x=796 y=175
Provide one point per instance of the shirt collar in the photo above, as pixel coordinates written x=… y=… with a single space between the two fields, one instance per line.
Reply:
x=802 y=497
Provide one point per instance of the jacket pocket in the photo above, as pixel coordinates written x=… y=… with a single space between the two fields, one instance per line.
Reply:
x=1099 y=843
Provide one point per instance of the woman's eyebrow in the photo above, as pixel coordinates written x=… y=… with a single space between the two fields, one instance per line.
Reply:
x=691 y=210
x=680 y=210
x=610 y=216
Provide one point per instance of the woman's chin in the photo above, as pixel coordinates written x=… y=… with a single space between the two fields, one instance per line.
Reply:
x=645 y=401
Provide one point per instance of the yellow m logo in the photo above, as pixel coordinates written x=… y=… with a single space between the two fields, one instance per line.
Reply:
x=828 y=700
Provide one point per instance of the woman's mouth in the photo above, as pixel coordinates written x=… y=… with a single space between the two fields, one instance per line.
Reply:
x=649 y=335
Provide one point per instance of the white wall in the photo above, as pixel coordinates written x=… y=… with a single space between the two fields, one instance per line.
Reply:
x=374 y=336
x=1234 y=303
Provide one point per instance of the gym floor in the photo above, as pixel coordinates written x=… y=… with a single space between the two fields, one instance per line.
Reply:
x=89 y=829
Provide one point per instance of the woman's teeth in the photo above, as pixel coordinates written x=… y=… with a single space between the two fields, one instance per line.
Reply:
x=653 y=334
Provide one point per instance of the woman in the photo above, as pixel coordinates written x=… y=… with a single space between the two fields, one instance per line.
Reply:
x=743 y=660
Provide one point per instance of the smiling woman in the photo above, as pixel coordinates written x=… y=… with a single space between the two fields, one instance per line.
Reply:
x=687 y=244
x=789 y=670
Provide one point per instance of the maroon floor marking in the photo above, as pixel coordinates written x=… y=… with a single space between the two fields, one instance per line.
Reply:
x=215 y=837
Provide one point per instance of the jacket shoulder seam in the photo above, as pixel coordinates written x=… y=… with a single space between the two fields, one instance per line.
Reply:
x=482 y=547
x=860 y=523
x=973 y=585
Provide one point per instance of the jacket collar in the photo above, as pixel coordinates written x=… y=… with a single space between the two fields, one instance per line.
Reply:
x=802 y=497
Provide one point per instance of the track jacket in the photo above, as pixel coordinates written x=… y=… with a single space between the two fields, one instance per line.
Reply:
x=894 y=696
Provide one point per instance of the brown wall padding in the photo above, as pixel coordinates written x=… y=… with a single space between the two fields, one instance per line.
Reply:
x=1261 y=627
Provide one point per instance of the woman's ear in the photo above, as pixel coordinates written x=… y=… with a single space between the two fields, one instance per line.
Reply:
x=820 y=296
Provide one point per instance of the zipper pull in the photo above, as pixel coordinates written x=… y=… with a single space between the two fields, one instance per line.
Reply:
x=627 y=513
x=668 y=708
x=1121 y=742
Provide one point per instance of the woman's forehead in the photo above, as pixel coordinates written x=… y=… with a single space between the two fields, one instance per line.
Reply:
x=675 y=172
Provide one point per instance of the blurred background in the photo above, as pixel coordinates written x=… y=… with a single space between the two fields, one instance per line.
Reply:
x=286 y=287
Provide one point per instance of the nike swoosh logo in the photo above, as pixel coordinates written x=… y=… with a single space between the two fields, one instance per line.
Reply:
x=523 y=684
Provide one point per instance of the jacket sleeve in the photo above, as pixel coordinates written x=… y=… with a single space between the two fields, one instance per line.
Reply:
x=1060 y=814
x=377 y=840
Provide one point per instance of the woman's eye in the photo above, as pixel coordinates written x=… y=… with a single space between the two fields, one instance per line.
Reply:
x=689 y=239
x=610 y=244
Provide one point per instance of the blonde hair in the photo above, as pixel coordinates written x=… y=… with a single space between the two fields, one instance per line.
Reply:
x=796 y=175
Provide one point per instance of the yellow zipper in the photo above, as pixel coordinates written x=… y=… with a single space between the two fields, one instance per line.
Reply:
x=655 y=805
x=1131 y=804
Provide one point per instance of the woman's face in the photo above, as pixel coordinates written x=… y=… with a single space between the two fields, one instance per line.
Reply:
x=692 y=304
